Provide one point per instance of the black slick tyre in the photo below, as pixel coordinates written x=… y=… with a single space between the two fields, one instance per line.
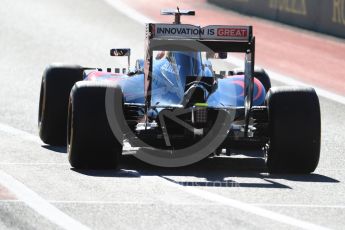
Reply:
x=57 y=82
x=90 y=140
x=294 y=130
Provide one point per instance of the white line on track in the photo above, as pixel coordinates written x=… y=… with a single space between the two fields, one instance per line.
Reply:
x=37 y=203
x=11 y=201
x=246 y=207
x=191 y=204
x=22 y=134
x=142 y=19
x=38 y=163
x=129 y=203
x=299 y=205
x=321 y=92
x=29 y=197
x=47 y=210
x=179 y=204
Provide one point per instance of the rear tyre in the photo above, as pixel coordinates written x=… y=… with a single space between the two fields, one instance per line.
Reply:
x=294 y=130
x=57 y=82
x=91 y=142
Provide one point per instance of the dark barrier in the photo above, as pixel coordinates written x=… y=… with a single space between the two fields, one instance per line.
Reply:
x=326 y=16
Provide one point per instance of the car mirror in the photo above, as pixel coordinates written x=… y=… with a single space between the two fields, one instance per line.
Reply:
x=120 y=52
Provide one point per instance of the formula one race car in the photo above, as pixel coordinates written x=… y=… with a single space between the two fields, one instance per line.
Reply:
x=174 y=110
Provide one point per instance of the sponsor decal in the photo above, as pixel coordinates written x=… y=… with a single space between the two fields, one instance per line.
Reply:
x=232 y=32
x=181 y=31
x=339 y=11
x=196 y=32
x=289 y=6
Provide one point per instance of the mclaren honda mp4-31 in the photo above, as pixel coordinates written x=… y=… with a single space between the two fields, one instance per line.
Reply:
x=175 y=110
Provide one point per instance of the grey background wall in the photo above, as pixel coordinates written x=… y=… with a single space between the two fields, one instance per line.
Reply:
x=325 y=16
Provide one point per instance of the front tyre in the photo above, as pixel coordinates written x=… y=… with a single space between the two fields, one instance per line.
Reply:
x=294 y=130
x=91 y=142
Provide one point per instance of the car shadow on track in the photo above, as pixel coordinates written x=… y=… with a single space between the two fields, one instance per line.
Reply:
x=227 y=172
x=57 y=149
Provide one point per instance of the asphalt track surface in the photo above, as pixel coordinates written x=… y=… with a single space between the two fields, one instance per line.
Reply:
x=39 y=190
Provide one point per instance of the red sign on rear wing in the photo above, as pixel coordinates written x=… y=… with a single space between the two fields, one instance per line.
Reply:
x=213 y=32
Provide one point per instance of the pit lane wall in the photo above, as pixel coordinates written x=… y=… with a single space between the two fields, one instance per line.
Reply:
x=325 y=16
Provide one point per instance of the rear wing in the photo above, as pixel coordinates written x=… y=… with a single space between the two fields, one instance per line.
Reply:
x=215 y=38
x=185 y=37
